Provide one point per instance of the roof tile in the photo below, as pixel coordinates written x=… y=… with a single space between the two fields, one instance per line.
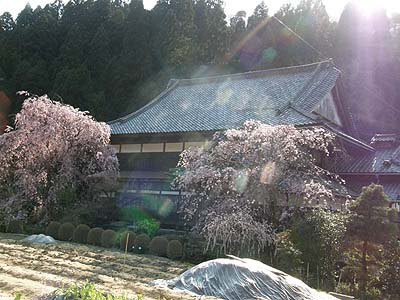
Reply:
x=381 y=161
x=278 y=96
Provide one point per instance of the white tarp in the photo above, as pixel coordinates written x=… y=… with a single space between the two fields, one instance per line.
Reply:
x=40 y=238
x=242 y=279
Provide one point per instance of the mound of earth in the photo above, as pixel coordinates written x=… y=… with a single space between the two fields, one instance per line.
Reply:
x=242 y=279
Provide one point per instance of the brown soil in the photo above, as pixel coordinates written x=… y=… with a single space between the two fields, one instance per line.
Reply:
x=36 y=270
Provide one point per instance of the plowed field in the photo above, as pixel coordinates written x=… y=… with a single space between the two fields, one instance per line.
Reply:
x=36 y=270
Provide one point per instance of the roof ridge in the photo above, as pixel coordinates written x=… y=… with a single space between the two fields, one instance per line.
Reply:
x=301 y=92
x=300 y=111
x=308 y=90
x=396 y=156
x=250 y=74
x=351 y=138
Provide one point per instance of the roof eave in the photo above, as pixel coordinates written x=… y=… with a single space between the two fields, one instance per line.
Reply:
x=350 y=139
x=380 y=173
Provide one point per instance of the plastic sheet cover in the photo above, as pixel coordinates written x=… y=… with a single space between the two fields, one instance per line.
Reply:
x=40 y=238
x=242 y=279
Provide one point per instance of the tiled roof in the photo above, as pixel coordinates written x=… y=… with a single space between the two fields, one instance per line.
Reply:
x=278 y=96
x=392 y=189
x=391 y=137
x=381 y=161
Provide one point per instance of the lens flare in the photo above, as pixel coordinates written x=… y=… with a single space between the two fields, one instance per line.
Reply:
x=369 y=7
x=268 y=173
x=224 y=93
x=241 y=181
x=269 y=55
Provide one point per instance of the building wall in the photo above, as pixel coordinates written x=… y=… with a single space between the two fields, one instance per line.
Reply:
x=327 y=109
x=147 y=165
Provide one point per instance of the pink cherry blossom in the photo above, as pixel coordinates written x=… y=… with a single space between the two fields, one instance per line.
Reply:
x=233 y=187
x=53 y=147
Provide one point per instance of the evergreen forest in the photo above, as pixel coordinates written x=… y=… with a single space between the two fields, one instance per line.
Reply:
x=111 y=57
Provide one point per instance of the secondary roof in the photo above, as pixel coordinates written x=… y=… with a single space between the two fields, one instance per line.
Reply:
x=384 y=161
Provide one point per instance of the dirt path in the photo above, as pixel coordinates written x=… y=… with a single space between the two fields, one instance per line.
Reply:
x=35 y=270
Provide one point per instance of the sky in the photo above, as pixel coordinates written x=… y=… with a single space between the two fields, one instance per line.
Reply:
x=334 y=7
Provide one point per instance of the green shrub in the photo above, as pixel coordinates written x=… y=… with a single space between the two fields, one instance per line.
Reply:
x=94 y=236
x=81 y=233
x=66 y=231
x=171 y=237
x=346 y=289
x=148 y=226
x=287 y=255
x=3 y=223
x=34 y=229
x=174 y=249
x=87 y=215
x=52 y=229
x=124 y=238
x=141 y=243
x=108 y=238
x=158 y=246
x=100 y=211
x=15 y=226
x=130 y=213
x=88 y=291
x=66 y=197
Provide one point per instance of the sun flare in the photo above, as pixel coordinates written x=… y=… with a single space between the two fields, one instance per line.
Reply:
x=368 y=7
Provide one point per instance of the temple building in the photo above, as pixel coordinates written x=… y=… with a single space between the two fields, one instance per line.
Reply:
x=189 y=111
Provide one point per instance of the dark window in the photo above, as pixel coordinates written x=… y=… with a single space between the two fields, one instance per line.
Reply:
x=147 y=161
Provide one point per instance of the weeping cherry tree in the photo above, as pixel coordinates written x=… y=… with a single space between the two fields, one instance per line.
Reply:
x=54 y=151
x=234 y=187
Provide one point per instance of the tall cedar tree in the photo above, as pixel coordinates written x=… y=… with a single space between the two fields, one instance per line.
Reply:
x=372 y=222
x=211 y=30
x=259 y=15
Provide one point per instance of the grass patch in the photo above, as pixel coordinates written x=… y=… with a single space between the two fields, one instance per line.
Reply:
x=88 y=291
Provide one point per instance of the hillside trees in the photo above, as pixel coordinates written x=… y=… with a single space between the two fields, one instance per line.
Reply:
x=269 y=43
x=7 y=22
x=235 y=186
x=366 y=52
x=124 y=54
x=180 y=45
x=134 y=62
x=212 y=32
x=259 y=15
x=315 y=27
x=49 y=159
x=237 y=28
x=109 y=57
